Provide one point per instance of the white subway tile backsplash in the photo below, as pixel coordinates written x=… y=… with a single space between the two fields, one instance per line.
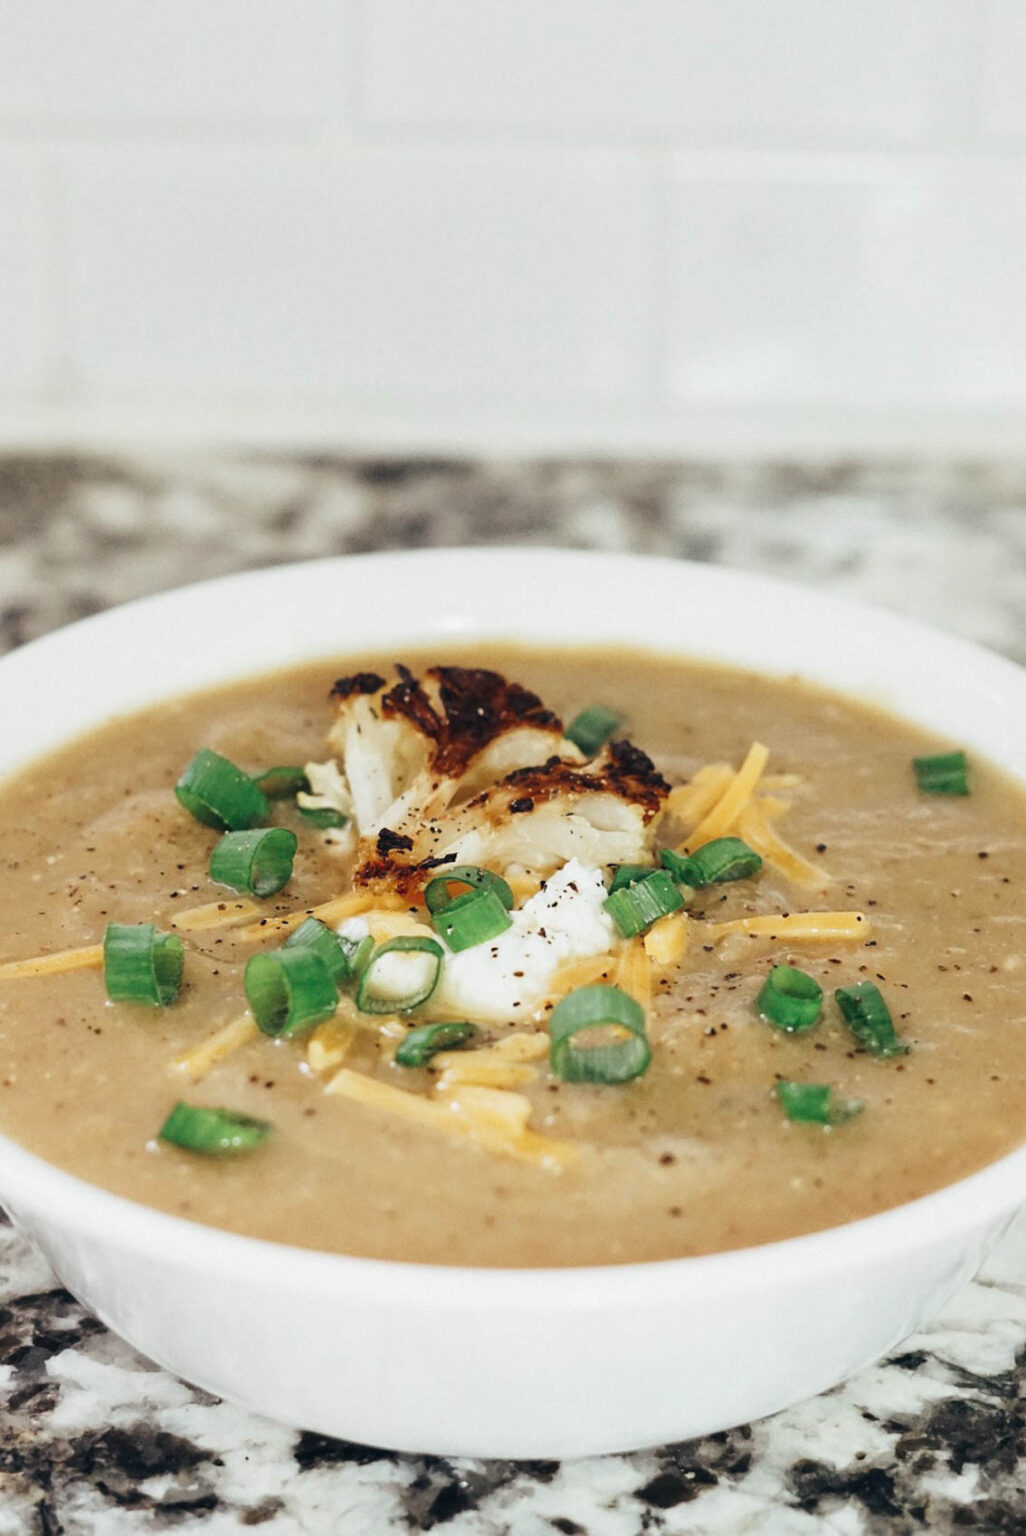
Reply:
x=562 y=220
x=975 y=304
x=1002 y=96
x=854 y=71
x=883 y=286
x=28 y=299
x=388 y=273
x=117 y=62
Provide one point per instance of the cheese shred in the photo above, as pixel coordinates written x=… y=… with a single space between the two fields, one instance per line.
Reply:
x=90 y=958
x=353 y=904
x=216 y=914
x=666 y=941
x=492 y=1118
x=480 y=1069
x=825 y=926
x=223 y=1042
x=724 y=813
x=754 y=827
x=579 y=973
x=330 y=1044
x=634 y=972
x=688 y=803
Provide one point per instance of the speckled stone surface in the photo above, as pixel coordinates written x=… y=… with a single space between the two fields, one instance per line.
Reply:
x=95 y=1441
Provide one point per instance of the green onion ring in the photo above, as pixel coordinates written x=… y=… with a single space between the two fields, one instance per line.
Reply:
x=213 y=1131
x=141 y=965
x=947 y=773
x=869 y=1019
x=279 y=783
x=437 y=894
x=634 y=908
x=289 y=990
x=324 y=941
x=598 y=1007
x=428 y=1039
x=323 y=816
x=220 y=795
x=369 y=1001
x=814 y=1103
x=725 y=858
x=790 y=999
x=592 y=728
x=471 y=919
x=627 y=875
x=258 y=862
x=356 y=951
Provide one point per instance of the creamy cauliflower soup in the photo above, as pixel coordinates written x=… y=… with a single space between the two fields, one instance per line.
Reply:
x=513 y=958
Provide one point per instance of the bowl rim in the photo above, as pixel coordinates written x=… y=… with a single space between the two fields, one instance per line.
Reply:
x=990 y=1193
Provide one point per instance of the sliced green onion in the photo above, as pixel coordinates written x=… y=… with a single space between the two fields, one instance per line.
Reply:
x=428 y=1039
x=386 y=986
x=636 y=907
x=598 y=1008
x=628 y=874
x=592 y=728
x=438 y=895
x=471 y=919
x=869 y=1019
x=336 y=953
x=323 y=816
x=289 y=990
x=790 y=999
x=258 y=862
x=725 y=858
x=678 y=864
x=277 y=783
x=814 y=1103
x=141 y=965
x=945 y=774
x=221 y=795
x=356 y=951
x=214 y=1131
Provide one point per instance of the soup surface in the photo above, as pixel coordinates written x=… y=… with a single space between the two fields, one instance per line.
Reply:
x=695 y=1155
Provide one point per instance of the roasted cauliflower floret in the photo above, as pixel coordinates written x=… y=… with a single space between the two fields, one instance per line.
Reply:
x=408 y=750
x=540 y=816
x=463 y=765
x=380 y=754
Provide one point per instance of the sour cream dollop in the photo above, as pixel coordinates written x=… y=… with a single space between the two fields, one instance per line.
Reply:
x=505 y=979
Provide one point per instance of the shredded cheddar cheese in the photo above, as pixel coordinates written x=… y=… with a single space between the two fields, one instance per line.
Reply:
x=753 y=825
x=579 y=973
x=216 y=914
x=89 y=958
x=827 y=926
x=385 y=924
x=481 y=1069
x=666 y=941
x=634 y=972
x=231 y=1037
x=688 y=803
x=330 y=1044
x=335 y=911
x=506 y=1064
x=720 y=819
x=522 y=1047
x=490 y=1117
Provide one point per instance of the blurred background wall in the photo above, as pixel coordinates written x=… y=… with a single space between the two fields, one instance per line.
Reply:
x=540 y=225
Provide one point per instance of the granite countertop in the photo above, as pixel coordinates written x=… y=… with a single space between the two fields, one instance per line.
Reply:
x=96 y=1441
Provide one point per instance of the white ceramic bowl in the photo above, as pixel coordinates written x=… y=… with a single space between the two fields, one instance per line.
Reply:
x=517 y=1363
